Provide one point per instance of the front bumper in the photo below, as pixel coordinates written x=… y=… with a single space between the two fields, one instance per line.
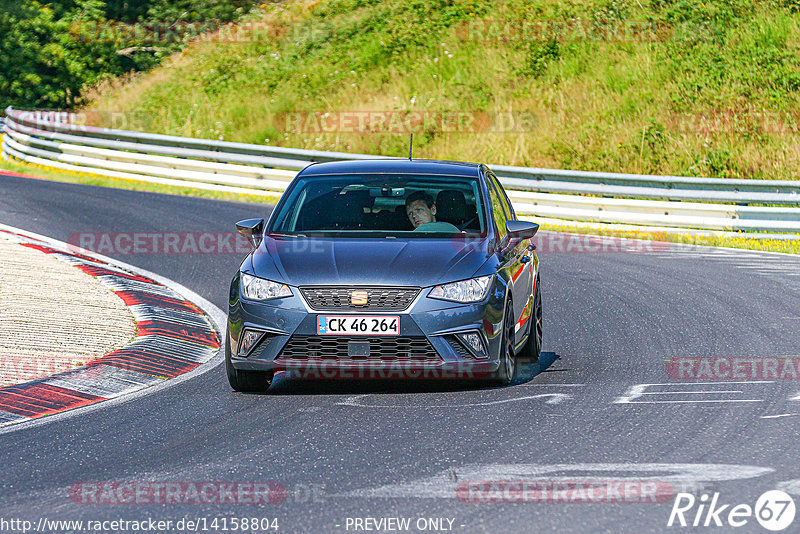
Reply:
x=425 y=348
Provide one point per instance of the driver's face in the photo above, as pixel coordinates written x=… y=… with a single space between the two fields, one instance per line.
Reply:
x=419 y=213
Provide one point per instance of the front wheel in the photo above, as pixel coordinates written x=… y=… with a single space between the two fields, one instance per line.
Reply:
x=505 y=373
x=246 y=381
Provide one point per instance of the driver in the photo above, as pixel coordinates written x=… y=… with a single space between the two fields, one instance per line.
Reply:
x=421 y=212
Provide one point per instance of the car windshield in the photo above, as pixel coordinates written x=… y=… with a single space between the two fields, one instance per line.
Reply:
x=382 y=205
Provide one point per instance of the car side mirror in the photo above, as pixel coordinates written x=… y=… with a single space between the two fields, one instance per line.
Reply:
x=252 y=229
x=521 y=229
x=515 y=232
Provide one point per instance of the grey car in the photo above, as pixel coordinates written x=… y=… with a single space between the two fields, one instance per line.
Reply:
x=386 y=269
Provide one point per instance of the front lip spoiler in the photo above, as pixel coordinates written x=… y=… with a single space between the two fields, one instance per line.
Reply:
x=333 y=369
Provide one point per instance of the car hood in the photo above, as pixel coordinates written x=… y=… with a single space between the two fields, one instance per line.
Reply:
x=398 y=262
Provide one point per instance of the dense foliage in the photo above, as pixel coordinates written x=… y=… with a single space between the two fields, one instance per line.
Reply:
x=49 y=51
x=690 y=87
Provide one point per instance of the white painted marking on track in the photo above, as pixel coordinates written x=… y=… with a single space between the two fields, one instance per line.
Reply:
x=555 y=385
x=694 y=401
x=754 y=262
x=769 y=263
x=552 y=398
x=691 y=392
x=764 y=268
x=790 y=486
x=640 y=390
x=779 y=415
x=682 y=477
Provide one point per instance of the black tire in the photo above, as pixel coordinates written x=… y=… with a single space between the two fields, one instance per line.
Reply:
x=246 y=381
x=505 y=373
x=533 y=346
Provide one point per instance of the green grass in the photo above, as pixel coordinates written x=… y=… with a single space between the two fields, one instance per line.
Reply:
x=623 y=105
x=58 y=175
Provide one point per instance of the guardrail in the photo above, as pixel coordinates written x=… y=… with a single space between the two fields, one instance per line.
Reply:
x=668 y=201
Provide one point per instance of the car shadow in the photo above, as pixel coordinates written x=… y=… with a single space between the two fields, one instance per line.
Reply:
x=286 y=384
x=529 y=369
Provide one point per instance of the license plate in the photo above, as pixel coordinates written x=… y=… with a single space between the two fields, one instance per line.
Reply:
x=358 y=325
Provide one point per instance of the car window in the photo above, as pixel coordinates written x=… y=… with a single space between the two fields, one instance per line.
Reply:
x=498 y=211
x=380 y=205
x=507 y=207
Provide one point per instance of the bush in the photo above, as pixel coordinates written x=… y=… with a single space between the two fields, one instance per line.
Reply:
x=50 y=52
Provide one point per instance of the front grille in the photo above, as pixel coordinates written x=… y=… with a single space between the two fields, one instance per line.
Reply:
x=381 y=349
x=378 y=298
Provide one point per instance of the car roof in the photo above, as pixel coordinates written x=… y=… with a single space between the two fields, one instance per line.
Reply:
x=393 y=166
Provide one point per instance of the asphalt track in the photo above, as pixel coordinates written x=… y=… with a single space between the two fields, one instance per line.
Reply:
x=355 y=450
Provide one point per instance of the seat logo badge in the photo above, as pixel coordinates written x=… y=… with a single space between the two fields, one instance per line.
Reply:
x=358 y=298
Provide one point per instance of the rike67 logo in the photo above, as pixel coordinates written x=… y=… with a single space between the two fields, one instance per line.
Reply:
x=774 y=510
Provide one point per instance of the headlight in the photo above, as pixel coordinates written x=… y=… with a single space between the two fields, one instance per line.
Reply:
x=255 y=288
x=472 y=290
